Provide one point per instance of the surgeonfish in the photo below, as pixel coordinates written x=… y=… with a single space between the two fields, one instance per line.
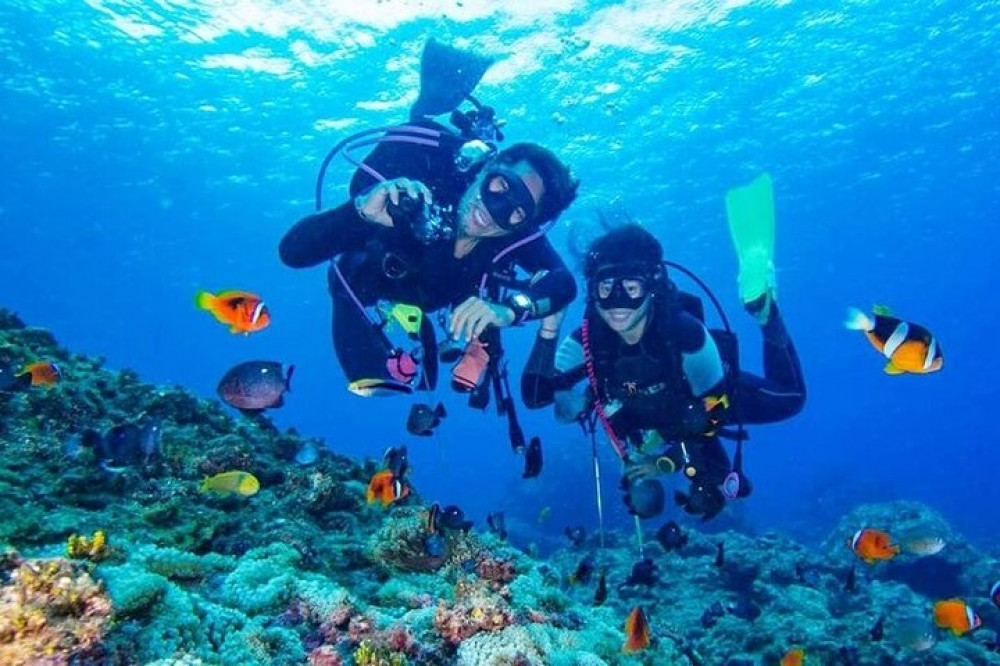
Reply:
x=230 y=483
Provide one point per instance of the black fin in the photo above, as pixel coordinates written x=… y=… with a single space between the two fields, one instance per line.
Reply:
x=447 y=76
x=288 y=378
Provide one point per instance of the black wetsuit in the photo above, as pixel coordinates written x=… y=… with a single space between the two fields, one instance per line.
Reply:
x=656 y=385
x=380 y=263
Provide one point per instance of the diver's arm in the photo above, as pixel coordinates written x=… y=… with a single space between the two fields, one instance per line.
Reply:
x=781 y=392
x=551 y=373
x=700 y=357
x=322 y=236
x=554 y=288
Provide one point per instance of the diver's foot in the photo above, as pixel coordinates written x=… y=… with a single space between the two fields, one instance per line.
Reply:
x=469 y=373
x=760 y=308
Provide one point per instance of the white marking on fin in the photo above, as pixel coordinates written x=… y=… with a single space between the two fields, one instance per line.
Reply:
x=257 y=312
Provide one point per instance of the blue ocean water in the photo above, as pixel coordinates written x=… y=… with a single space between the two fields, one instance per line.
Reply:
x=150 y=150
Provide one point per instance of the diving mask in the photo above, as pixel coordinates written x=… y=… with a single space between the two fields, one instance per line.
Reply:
x=620 y=287
x=507 y=198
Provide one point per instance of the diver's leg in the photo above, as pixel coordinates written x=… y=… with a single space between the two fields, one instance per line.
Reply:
x=360 y=348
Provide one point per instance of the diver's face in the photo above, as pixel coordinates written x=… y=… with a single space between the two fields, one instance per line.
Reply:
x=625 y=320
x=518 y=188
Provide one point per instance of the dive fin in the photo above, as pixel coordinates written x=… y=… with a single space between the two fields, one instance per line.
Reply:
x=447 y=76
x=750 y=211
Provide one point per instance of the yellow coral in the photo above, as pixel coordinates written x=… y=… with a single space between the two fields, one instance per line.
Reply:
x=95 y=549
x=368 y=655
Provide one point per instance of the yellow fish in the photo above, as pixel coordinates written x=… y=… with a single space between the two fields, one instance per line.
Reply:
x=231 y=483
x=543 y=515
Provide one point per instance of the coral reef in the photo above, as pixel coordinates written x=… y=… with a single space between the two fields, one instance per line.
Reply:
x=304 y=572
x=51 y=611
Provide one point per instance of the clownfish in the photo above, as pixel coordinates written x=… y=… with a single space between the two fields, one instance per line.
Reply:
x=42 y=373
x=872 y=545
x=636 y=631
x=244 y=312
x=384 y=487
x=794 y=657
x=956 y=615
x=909 y=347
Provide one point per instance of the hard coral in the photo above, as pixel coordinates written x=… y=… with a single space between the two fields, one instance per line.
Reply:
x=495 y=571
x=401 y=545
x=95 y=549
x=51 y=611
x=457 y=622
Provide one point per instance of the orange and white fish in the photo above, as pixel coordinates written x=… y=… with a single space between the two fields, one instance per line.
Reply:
x=794 y=657
x=956 y=615
x=384 y=487
x=909 y=347
x=636 y=631
x=243 y=311
x=42 y=373
x=873 y=545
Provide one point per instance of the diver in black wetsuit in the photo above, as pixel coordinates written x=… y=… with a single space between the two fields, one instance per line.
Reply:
x=428 y=227
x=663 y=385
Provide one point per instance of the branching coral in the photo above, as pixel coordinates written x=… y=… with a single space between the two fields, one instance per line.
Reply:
x=51 y=611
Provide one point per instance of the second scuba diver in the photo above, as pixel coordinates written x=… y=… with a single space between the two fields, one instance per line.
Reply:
x=433 y=217
x=664 y=386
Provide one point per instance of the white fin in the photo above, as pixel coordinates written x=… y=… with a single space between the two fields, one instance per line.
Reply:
x=858 y=321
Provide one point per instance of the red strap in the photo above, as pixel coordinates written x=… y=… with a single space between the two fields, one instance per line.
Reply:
x=588 y=361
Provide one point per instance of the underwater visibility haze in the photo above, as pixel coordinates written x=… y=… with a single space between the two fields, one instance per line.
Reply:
x=152 y=151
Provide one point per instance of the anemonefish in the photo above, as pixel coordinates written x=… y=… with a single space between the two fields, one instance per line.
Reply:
x=871 y=545
x=636 y=631
x=956 y=615
x=995 y=593
x=794 y=657
x=909 y=347
x=242 y=311
x=386 y=488
x=42 y=373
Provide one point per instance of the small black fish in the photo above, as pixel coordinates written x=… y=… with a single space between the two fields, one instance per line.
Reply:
x=583 y=570
x=254 y=386
x=601 y=593
x=671 y=537
x=849 y=656
x=712 y=614
x=124 y=445
x=533 y=459
x=878 y=630
x=576 y=535
x=450 y=518
x=851 y=582
x=497 y=524
x=720 y=554
x=396 y=461
x=744 y=609
x=423 y=419
x=706 y=501
x=644 y=572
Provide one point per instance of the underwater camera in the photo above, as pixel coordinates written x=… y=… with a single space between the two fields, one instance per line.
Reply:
x=423 y=221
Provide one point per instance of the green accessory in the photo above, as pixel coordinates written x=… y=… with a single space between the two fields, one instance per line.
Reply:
x=750 y=211
x=409 y=317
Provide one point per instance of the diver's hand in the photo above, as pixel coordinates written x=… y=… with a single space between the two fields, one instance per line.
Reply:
x=472 y=317
x=642 y=468
x=551 y=325
x=373 y=205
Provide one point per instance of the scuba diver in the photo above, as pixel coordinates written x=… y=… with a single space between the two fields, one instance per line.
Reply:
x=666 y=388
x=437 y=219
